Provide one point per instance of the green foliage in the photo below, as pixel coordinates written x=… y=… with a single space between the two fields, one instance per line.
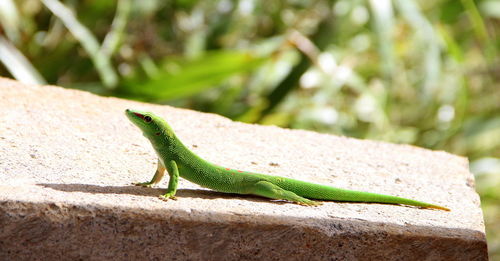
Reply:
x=418 y=72
x=179 y=78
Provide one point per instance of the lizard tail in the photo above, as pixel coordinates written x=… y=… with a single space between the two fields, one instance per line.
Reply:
x=322 y=192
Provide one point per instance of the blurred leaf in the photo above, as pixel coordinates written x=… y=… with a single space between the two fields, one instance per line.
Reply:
x=383 y=17
x=453 y=47
x=483 y=134
x=182 y=77
x=17 y=64
x=487 y=173
x=477 y=20
x=450 y=12
x=320 y=40
x=87 y=40
x=490 y=8
x=432 y=57
x=480 y=29
x=10 y=19
x=486 y=166
x=281 y=119
x=115 y=35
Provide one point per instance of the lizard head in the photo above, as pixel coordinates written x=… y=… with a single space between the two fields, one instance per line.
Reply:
x=150 y=124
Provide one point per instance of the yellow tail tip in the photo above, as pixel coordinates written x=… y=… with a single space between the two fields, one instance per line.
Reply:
x=439 y=207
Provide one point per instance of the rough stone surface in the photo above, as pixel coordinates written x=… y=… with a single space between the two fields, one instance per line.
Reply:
x=67 y=159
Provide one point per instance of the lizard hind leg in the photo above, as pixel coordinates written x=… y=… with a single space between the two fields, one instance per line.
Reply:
x=270 y=190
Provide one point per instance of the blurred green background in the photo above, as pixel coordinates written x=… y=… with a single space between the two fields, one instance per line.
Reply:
x=405 y=71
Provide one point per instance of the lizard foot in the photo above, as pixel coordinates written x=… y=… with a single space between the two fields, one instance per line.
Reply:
x=310 y=203
x=166 y=197
x=143 y=184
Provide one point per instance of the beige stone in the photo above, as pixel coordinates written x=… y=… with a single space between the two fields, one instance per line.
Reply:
x=67 y=159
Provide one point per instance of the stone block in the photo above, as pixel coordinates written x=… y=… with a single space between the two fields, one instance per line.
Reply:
x=68 y=158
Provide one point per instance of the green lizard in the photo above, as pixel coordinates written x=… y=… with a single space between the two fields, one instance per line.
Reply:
x=179 y=161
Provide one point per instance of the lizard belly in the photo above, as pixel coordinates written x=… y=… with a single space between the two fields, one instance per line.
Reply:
x=217 y=178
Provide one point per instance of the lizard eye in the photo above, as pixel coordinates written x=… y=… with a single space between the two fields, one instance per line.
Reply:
x=147 y=119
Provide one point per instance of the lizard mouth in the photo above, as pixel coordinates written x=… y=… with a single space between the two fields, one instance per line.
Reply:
x=130 y=112
x=138 y=115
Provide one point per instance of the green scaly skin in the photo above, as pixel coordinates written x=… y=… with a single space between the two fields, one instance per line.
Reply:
x=179 y=161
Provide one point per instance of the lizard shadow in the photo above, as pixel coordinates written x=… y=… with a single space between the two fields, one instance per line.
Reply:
x=156 y=192
x=150 y=192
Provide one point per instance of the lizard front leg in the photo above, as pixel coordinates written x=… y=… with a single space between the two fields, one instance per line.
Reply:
x=173 y=172
x=160 y=172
